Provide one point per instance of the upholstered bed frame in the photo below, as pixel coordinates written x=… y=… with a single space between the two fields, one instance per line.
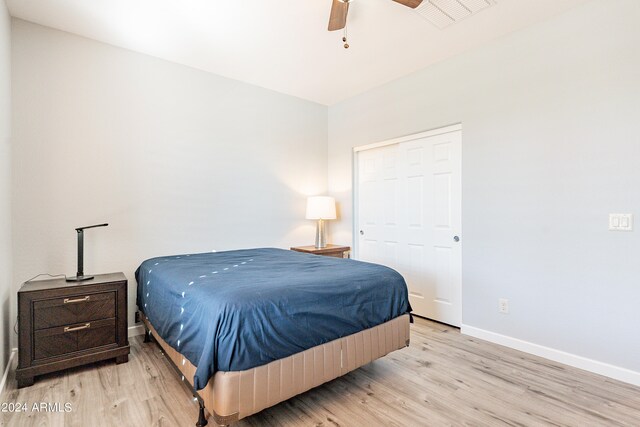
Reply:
x=230 y=396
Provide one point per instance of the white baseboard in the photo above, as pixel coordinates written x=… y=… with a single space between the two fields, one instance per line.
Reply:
x=136 y=330
x=12 y=354
x=601 y=368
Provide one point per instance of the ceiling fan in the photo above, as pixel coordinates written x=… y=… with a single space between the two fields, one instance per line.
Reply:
x=340 y=8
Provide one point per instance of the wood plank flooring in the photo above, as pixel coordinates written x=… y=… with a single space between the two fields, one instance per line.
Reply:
x=443 y=379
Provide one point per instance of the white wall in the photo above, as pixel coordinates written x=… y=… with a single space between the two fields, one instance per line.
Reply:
x=551 y=146
x=175 y=159
x=6 y=287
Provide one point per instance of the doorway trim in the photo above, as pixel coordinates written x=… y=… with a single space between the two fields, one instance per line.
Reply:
x=425 y=134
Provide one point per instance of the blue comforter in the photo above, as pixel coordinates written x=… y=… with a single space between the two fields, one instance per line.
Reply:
x=235 y=310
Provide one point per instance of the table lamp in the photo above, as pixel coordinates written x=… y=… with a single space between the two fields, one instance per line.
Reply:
x=321 y=208
x=79 y=277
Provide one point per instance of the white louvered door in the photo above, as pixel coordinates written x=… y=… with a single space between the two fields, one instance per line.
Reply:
x=408 y=217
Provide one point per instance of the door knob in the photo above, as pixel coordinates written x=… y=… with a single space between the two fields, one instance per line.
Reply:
x=361 y=233
x=456 y=238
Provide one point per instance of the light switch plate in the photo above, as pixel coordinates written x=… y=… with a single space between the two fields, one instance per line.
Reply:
x=621 y=222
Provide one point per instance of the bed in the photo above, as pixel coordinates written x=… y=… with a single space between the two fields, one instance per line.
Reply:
x=248 y=329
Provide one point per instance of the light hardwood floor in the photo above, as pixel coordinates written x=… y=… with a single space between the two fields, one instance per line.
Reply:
x=444 y=378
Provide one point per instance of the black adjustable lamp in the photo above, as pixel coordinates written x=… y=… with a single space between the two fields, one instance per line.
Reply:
x=80 y=274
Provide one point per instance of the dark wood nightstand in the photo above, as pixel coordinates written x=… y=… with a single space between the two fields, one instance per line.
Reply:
x=63 y=324
x=335 y=251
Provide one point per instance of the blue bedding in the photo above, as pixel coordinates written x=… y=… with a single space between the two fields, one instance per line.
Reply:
x=235 y=310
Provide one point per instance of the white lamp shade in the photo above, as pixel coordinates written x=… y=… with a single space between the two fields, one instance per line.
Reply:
x=321 y=207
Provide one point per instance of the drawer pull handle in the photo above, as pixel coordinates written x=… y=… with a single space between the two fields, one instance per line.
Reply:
x=71 y=301
x=77 y=328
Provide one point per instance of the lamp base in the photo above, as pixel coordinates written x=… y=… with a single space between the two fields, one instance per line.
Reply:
x=78 y=278
x=321 y=236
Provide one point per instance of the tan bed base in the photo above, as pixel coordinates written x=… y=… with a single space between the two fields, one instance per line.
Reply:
x=230 y=396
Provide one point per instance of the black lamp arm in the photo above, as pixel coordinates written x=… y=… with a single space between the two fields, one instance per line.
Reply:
x=79 y=229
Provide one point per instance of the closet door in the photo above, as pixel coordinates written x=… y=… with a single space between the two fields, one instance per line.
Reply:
x=408 y=217
x=379 y=208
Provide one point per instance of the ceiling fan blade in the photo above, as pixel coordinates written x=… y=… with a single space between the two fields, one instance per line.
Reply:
x=410 y=3
x=338 y=18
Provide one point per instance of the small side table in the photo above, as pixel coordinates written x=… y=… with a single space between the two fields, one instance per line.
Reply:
x=336 y=251
x=63 y=324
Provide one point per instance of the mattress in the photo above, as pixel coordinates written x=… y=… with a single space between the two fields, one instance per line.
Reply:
x=236 y=310
x=230 y=396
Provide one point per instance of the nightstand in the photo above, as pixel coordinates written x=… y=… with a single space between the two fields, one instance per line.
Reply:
x=63 y=325
x=335 y=251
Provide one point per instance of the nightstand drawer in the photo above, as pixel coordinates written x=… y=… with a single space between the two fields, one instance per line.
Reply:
x=74 y=309
x=68 y=339
x=102 y=332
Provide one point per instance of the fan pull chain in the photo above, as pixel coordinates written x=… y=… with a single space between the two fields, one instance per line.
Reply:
x=344 y=37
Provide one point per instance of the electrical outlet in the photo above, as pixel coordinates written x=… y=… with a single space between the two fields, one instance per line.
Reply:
x=503 y=306
x=136 y=317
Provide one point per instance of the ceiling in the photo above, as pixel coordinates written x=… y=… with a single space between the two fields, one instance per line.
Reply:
x=284 y=45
